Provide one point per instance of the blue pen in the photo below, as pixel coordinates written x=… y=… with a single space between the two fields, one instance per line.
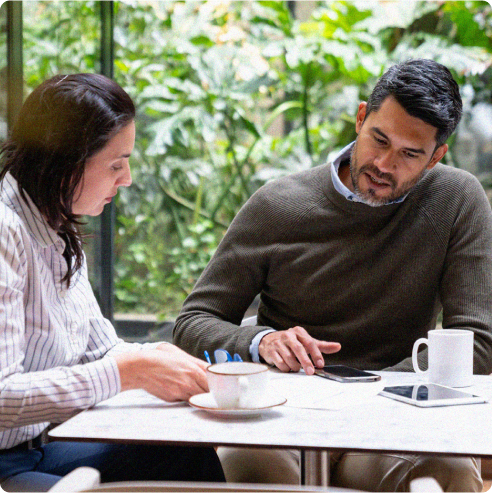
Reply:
x=207 y=356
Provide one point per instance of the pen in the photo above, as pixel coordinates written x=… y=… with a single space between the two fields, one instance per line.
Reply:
x=207 y=357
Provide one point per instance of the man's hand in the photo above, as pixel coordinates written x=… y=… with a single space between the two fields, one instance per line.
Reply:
x=166 y=372
x=289 y=350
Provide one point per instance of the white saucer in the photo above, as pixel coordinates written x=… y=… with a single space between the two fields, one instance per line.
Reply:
x=206 y=402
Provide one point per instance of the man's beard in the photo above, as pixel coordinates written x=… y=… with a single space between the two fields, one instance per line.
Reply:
x=369 y=196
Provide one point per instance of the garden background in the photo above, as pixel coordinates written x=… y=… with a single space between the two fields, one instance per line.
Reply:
x=233 y=94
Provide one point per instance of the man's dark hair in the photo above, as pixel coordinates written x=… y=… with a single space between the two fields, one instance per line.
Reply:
x=63 y=122
x=426 y=90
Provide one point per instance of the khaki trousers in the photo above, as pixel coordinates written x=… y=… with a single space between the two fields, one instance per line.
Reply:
x=360 y=471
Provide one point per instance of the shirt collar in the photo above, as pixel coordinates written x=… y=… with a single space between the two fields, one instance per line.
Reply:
x=27 y=210
x=343 y=155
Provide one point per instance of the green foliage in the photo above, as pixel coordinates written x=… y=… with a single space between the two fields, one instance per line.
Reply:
x=233 y=94
x=54 y=43
x=191 y=258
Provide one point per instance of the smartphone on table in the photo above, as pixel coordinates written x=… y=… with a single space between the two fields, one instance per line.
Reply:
x=342 y=373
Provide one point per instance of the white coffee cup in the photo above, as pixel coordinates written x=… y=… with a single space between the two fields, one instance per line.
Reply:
x=450 y=357
x=237 y=385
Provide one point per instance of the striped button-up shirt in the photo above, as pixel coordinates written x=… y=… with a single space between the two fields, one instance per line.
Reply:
x=56 y=348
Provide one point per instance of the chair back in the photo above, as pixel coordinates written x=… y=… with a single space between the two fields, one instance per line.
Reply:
x=425 y=485
x=87 y=479
x=249 y=321
x=190 y=487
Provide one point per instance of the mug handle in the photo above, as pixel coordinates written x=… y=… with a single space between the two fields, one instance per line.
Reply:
x=415 y=351
x=243 y=391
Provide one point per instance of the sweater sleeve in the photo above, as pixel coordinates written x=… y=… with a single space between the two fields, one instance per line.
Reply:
x=466 y=284
x=211 y=314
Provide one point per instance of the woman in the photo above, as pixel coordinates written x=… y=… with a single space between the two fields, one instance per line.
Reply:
x=66 y=157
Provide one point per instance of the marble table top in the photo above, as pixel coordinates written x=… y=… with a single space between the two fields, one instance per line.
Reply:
x=373 y=423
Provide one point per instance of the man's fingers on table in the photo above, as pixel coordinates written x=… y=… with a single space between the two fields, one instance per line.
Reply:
x=329 y=347
x=290 y=356
x=301 y=355
x=277 y=360
x=283 y=350
x=291 y=349
x=313 y=349
x=290 y=359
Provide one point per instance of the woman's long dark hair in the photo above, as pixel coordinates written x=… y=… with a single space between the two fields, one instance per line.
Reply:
x=63 y=122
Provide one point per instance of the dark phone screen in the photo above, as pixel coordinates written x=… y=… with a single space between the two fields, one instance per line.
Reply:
x=345 y=371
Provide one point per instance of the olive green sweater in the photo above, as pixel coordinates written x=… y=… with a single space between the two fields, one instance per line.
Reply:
x=371 y=278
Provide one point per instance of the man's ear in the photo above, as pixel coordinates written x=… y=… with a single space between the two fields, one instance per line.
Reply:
x=437 y=156
x=361 y=115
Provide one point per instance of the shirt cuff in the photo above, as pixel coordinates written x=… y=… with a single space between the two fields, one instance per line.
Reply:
x=105 y=378
x=255 y=343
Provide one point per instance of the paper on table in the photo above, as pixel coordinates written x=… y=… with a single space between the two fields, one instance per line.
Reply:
x=313 y=392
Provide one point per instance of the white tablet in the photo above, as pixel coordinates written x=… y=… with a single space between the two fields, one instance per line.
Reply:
x=430 y=395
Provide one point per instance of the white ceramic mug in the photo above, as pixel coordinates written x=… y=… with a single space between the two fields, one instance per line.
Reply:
x=450 y=357
x=237 y=385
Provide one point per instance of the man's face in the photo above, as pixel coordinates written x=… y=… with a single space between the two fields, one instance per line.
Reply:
x=391 y=153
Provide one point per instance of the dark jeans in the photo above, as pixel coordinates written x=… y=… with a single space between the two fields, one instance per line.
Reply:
x=40 y=468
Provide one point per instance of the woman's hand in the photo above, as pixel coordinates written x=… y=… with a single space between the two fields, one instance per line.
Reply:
x=166 y=372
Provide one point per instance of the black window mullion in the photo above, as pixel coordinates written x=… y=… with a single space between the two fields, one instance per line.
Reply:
x=15 y=81
x=105 y=240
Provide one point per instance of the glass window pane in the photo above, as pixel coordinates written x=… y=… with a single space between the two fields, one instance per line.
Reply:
x=168 y=58
x=194 y=72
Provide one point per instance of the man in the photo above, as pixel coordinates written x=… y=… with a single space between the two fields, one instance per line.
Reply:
x=363 y=252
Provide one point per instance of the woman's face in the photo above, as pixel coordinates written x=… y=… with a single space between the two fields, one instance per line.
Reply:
x=104 y=172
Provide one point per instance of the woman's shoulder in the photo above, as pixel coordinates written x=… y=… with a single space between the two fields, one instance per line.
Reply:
x=8 y=215
x=11 y=222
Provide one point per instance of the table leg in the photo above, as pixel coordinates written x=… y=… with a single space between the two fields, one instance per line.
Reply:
x=315 y=467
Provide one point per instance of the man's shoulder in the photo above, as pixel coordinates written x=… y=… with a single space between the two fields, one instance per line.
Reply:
x=303 y=183
x=448 y=192
x=443 y=173
x=445 y=181
x=285 y=201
